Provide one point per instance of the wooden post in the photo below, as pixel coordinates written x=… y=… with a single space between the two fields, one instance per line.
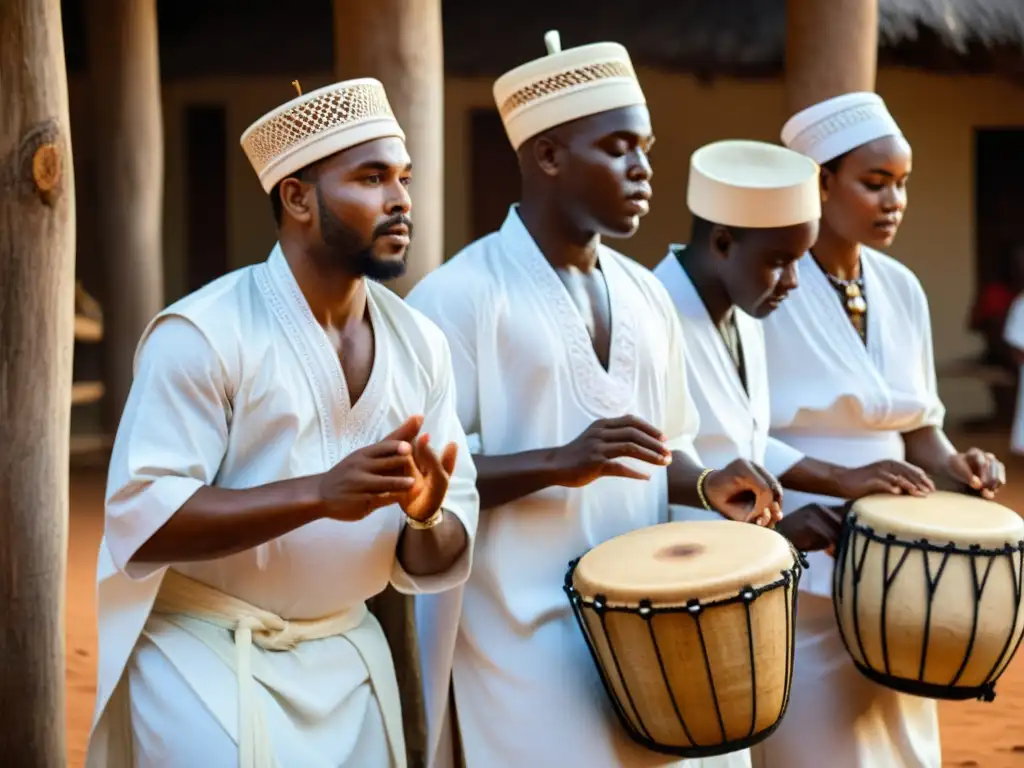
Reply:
x=399 y=42
x=831 y=49
x=37 y=274
x=125 y=76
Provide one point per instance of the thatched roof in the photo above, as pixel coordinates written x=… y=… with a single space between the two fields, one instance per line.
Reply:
x=720 y=36
x=709 y=37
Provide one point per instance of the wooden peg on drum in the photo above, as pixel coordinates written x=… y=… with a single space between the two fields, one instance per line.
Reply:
x=928 y=592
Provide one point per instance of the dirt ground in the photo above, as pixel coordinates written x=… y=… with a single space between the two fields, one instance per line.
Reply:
x=973 y=733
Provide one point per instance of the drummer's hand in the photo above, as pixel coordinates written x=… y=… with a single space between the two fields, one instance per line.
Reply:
x=813 y=527
x=745 y=492
x=888 y=476
x=978 y=469
x=593 y=454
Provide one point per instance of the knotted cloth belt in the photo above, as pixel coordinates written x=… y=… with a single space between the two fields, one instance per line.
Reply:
x=190 y=599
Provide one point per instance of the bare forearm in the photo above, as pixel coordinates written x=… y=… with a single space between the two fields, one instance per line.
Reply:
x=929 y=448
x=435 y=550
x=504 y=479
x=217 y=522
x=683 y=474
x=812 y=476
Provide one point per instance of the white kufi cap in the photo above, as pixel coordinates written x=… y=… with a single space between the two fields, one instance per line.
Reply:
x=741 y=183
x=832 y=128
x=317 y=125
x=565 y=86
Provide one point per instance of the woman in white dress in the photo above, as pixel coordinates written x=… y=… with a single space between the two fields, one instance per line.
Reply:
x=852 y=381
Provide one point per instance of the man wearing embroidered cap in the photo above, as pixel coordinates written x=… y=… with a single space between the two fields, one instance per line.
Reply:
x=755 y=210
x=275 y=467
x=572 y=388
x=852 y=381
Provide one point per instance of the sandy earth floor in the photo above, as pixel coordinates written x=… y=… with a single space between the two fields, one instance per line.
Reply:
x=974 y=734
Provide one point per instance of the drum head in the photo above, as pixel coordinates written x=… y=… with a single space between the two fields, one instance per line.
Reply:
x=673 y=563
x=942 y=517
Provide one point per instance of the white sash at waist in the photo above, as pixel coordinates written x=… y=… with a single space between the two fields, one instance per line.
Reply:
x=202 y=610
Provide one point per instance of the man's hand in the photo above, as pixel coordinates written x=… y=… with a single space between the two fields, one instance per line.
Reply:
x=895 y=477
x=370 y=478
x=813 y=527
x=431 y=475
x=745 y=492
x=978 y=470
x=593 y=454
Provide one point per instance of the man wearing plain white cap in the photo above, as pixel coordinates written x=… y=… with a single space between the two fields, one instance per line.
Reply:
x=852 y=381
x=275 y=467
x=572 y=389
x=755 y=210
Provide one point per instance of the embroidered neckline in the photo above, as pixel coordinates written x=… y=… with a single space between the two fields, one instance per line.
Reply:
x=606 y=393
x=345 y=426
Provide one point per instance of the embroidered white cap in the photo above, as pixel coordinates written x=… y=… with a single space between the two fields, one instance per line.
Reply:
x=742 y=183
x=316 y=125
x=565 y=86
x=833 y=127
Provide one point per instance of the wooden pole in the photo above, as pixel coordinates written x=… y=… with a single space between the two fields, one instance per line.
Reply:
x=400 y=43
x=37 y=270
x=831 y=49
x=125 y=75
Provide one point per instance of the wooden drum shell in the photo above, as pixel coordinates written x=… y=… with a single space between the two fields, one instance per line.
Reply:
x=928 y=617
x=701 y=678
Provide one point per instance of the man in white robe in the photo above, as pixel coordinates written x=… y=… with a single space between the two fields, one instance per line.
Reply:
x=755 y=210
x=274 y=469
x=853 y=391
x=571 y=386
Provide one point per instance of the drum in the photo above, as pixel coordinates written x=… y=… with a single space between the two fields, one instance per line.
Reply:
x=691 y=626
x=927 y=592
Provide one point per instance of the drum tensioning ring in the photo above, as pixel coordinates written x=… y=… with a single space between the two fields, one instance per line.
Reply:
x=789 y=580
x=891 y=543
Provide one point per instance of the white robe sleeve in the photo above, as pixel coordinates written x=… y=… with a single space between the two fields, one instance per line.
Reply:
x=779 y=458
x=682 y=418
x=441 y=422
x=1013 y=329
x=935 y=411
x=453 y=312
x=171 y=440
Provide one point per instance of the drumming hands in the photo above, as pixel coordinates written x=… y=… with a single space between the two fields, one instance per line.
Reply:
x=888 y=476
x=400 y=469
x=593 y=454
x=745 y=492
x=979 y=470
x=812 y=527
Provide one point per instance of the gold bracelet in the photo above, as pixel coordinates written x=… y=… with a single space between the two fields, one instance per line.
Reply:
x=425 y=525
x=700 y=489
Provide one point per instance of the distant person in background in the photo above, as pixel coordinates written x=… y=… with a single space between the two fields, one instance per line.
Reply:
x=988 y=318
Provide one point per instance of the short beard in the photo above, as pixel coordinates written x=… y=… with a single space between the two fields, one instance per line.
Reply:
x=346 y=247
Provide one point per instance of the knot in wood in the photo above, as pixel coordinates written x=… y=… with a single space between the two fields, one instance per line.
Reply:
x=46 y=167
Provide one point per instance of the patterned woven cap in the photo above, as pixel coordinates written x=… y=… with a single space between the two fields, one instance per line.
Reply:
x=565 y=86
x=316 y=125
x=838 y=125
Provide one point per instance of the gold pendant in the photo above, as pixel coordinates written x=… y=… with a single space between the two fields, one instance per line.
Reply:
x=857 y=305
x=853 y=290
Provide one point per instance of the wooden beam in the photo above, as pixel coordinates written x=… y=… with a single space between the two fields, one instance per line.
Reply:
x=87 y=329
x=399 y=42
x=37 y=278
x=831 y=49
x=125 y=76
x=86 y=392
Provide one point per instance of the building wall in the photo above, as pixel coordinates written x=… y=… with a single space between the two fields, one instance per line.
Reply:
x=937 y=113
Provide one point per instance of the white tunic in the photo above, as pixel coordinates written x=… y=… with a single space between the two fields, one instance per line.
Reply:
x=734 y=420
x=837 y=400
x=237 y=386
x=1013 y=334
x=526 y=688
